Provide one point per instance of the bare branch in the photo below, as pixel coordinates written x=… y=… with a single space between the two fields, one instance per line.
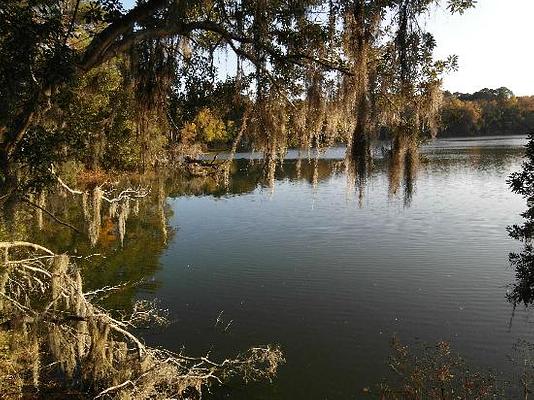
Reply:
x=9 y=245
x=31 y=203
x=44 y=294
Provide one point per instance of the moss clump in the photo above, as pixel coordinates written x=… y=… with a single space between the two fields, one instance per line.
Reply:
x=18 y=356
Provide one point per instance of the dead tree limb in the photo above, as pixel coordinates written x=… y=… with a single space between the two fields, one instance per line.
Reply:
x=42 y=293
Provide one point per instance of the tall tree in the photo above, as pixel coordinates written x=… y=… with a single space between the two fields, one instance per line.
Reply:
x=293 y=49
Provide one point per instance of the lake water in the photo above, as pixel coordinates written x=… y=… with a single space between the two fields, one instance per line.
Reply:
x=331 y=276
x=327 y=269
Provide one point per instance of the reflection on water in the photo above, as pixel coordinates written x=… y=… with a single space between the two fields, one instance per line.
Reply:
x=329 y=276
x=114 y=242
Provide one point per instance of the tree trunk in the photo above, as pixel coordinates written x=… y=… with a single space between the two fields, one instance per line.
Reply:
x=11 y=139
x=8 y=178
x=360 y=137
x=360 y=146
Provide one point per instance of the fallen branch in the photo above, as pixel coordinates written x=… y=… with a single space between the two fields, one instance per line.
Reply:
x=19 y=244
x=83 y=343
x=129 y=193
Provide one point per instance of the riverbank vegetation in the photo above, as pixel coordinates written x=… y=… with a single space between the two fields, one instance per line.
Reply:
x=436 y=373
x=486 y=112
x=522 y=183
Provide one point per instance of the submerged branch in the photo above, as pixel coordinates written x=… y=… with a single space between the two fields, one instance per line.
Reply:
x=83 y=343
x=31 y=203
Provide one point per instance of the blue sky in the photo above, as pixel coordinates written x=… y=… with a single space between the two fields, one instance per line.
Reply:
x=494 y=42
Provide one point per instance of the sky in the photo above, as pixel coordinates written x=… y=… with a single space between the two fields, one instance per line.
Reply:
x=494 y=43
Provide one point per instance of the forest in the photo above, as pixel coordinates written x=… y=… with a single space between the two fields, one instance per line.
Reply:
x=107 y=110
x=486 y=112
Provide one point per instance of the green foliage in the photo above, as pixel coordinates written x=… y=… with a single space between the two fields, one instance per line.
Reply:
x=522 y=183
x=486 y=112
x=459 y=6
x=100 y=119
x=211 y=128
x=31 y=46
x=17 y=354
x=91 y=82
x=98 y=125
x=216 y=110
x=460 y=118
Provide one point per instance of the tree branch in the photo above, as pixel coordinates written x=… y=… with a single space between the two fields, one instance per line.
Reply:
x=92 y=56
x=31 y=203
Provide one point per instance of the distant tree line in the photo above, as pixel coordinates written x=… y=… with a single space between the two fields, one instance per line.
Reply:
x=486 y=112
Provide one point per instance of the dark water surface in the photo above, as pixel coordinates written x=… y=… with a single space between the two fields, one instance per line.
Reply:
x=332 y=276
x=327 y=268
